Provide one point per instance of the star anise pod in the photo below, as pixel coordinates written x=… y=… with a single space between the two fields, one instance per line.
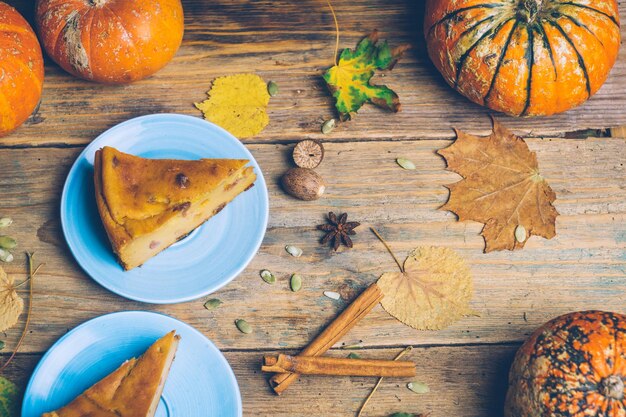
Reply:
x=338 y=229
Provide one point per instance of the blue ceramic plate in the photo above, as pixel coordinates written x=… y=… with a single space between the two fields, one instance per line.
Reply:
x=200 y=382
x=209 y=258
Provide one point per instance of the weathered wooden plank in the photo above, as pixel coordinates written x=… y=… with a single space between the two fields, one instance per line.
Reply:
x=292 y=43
x=583 y=267
x=467 y=381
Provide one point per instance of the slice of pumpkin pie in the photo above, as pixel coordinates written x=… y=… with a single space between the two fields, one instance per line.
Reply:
x=148 y=204
x=133 y=390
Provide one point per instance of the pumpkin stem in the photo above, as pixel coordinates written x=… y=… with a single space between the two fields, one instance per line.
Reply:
x=529 y=9
x=612 y=387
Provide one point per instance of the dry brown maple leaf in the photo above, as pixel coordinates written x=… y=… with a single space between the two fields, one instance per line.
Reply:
x=432 y=292
x=11 y=304
x=501 y=188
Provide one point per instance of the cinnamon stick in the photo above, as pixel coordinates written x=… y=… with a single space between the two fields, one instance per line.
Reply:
x=312 y=365
x=359 y=308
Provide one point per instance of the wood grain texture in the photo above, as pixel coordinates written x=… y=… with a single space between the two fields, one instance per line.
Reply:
x=583 y=267
x=464 y=381
x=292 y=43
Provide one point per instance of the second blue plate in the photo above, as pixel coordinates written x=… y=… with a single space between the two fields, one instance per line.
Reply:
x=200 y=382
x=209 y=257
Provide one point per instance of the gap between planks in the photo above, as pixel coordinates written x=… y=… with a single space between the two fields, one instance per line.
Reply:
x=339 y=350
x=616 y=132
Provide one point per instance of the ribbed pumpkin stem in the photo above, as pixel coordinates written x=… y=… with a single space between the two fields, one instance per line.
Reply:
x=612 y=387
x=528 y=9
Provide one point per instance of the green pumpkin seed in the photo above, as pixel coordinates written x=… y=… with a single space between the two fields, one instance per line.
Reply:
x=272 y=88
x=406 y=163
x=520 y=233
x=6 y=256
x=212 y=304
x=7 y=242
x=353 y=355
x=243 y=326
x=5 y=222
x=294 y=251
x=402 y=415
x=296 y=282
x=268 y=276
x=353 y=345
x=1 y=345
x=329 y=126
x=418 y=387
x=332 y=295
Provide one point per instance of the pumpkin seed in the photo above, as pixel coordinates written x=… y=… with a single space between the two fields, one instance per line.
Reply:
x=268 y=276
x=520 y=233
x=406 y=163
x=272 y=88
x=2 y=344
x=332 y=294
x=7 y=242
x=296 y=282
x=402 y=415
x=353 y=355
x=212 y=304
x=418 y=387
x=294 y=251
x=243 y=326
x=329 y=126
x=6 y=256
x=5 y=222
x=353 y=345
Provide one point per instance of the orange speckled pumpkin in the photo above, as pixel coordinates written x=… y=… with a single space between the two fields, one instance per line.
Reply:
x=524 y=57
x=21 y=69
x=573 y=366
x=110 y=41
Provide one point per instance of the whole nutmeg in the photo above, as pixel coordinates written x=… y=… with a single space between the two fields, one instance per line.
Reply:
x=303 y=183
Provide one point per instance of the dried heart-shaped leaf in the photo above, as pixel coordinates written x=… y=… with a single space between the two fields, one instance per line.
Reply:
x=349 y=80
x=9 y=398
x=501 y=187
x=432 y=292
x=238 y=103
x=11 y=304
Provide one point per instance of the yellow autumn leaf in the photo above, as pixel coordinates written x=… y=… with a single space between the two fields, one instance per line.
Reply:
x=11 y=304
x=238 y=103
x=432 y=292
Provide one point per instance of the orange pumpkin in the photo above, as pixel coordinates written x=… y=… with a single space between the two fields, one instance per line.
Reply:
x=21 y=69
x=110 y=41
x=573 y=366
x=524 y=57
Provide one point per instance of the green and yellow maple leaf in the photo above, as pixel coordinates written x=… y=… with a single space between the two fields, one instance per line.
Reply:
x=349 y=80
x=9 y=398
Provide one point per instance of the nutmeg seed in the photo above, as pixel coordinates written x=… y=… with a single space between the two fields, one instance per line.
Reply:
x=303 y=183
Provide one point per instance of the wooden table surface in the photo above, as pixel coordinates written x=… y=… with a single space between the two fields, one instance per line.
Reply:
x=291 y=42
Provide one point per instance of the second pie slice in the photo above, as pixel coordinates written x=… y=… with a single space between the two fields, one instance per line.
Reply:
x=146 y=205
x=132 y=390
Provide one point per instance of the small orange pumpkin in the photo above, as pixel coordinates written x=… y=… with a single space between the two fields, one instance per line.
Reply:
x=21 y=69
x=524 y=57
x=110 y=41
x=573 y=366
